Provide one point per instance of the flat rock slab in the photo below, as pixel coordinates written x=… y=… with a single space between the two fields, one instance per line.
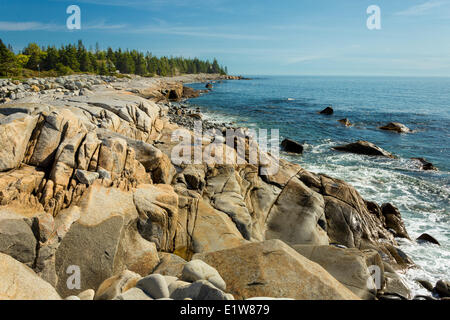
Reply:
x=273 y=269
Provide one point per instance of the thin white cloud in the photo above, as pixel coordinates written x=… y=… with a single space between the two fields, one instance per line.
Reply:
x=423 y=8
x=196 y=32
x=301 y=59
x=151 y=4
x=26 y=26
x=40 y=26
x=102 y=25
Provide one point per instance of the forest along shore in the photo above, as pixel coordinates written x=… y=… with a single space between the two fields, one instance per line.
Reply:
x=92 y=207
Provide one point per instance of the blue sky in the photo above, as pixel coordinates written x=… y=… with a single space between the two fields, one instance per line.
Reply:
x=284 y=37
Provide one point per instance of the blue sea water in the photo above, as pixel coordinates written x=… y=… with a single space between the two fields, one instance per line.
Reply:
x=291 y=104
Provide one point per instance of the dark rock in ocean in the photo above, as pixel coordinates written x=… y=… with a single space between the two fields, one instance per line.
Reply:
x=427 y=238
x=426 y=284
x=427 y=166
x=443 y=288
x=394 y=221
x=345 y=122
x=397 y=127
x=365 y=148
x=327 y=111
x=209 y=86
x=289 y=145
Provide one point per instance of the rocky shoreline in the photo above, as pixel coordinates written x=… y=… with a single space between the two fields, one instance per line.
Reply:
x=93 y=207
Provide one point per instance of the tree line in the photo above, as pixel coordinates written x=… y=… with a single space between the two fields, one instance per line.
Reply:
x=75 y=58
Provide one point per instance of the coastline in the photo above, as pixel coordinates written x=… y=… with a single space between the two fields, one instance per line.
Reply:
x=119 y=111
x=366 y=174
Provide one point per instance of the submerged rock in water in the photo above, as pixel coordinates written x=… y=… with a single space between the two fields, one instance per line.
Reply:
x=345 y=122
x=365 y=148
x=327 y=111
x=425 y=165
x=397 y=127
x=427 y=238
x=289 y=145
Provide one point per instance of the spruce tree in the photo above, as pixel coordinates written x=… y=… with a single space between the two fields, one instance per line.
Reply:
x=7 y=60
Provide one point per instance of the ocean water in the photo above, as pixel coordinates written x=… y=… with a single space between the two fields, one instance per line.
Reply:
x=291 y=104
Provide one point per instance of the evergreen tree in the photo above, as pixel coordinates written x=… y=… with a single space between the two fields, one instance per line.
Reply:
x=51 y=60
x=7 y=60
x=85 y=62
x=34 y=52
x=76 y=58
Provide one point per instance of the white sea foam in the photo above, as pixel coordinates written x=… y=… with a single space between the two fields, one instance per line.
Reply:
x=424 y=205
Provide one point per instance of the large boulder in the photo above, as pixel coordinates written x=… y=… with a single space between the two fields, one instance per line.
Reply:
x=225 y=234
x=59 y=130
x=297 y=217
x=394 y=221
x=226 y=193
x=15 y=132
x=18 y=282
x=365 y=148
x=351 y=267
x=158 y=214
x=104 y=241
x=273 y=269
x=17 y=238
x=153 y=160
x=292 y=146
